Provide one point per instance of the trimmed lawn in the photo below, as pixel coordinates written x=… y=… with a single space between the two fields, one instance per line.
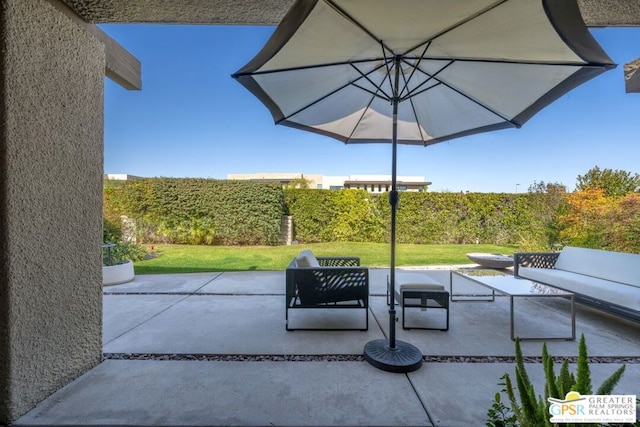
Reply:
x=192 y=259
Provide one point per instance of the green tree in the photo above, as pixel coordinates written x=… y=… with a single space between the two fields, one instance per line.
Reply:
x=623 y=231
x=553 y=189
x=612 y=182
x=586 y=218
x=547 y=202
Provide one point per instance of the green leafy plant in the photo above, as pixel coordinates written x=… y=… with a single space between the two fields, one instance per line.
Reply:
x=111 y=230
x=500 y=415
x=122 y=252
x=531 y=410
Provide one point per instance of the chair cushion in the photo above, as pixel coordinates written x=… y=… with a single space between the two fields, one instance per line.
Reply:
x=306 y=258
x=424 y=290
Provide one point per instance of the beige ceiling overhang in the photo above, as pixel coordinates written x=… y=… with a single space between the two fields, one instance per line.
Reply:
x=596 y=13
x=270 y=12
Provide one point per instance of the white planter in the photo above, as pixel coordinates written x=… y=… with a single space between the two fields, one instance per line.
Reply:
x=117 y=274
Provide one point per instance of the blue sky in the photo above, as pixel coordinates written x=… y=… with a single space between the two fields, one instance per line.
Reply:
x=193 y=120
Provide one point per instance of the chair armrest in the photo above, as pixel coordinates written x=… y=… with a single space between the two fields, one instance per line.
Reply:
x=534 y=259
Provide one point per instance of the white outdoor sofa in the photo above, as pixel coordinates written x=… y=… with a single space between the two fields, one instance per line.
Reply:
x=607 y=280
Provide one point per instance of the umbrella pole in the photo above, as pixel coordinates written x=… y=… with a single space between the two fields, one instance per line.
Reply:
x=393 y=201
x=393 y=356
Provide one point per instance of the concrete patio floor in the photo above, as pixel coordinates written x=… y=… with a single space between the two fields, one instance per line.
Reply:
x=211 y=349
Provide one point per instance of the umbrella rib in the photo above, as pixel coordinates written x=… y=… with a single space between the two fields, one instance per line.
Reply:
x=305 y=67
x=407 y=80
x=415 y=115
x=358 y=24
x=449 y=59
x=459 y=24
x=507 y=61
x=413 y=92
x=506 y=119
x=311 y=104
x=377 y=95
x=492 y=111
x=353 y=83
x=387 y=97
x=359 y=121
x=388 y=67
x=426 y=42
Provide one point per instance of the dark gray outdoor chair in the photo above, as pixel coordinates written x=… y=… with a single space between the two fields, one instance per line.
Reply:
x=327 y=282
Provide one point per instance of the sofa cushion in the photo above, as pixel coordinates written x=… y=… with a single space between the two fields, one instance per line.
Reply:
x=614 y=266
x=604 y=290
x=306 y=258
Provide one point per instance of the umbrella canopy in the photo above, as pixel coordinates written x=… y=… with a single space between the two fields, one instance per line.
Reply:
x=419 y=72
x=465 y=66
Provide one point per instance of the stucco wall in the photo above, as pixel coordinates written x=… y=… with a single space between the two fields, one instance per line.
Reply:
x=4 y=288
x=51 y=131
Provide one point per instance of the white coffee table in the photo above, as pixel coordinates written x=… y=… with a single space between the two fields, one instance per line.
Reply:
x=514 y=287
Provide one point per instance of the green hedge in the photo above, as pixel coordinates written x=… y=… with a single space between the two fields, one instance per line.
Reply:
x=206 y=211
x=429 y=218
x=201 y=211
x=334 y=216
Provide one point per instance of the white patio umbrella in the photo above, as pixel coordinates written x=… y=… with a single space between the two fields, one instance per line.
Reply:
x=419 y=72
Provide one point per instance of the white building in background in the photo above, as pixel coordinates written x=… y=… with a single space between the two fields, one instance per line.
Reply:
x=374 y=184
x=120 y=177
x=284 y=178
x=382 y=183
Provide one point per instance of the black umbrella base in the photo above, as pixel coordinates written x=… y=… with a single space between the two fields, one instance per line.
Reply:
x=401 y=359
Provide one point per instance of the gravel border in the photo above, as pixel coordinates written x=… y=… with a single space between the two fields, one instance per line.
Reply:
x=351 y=358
